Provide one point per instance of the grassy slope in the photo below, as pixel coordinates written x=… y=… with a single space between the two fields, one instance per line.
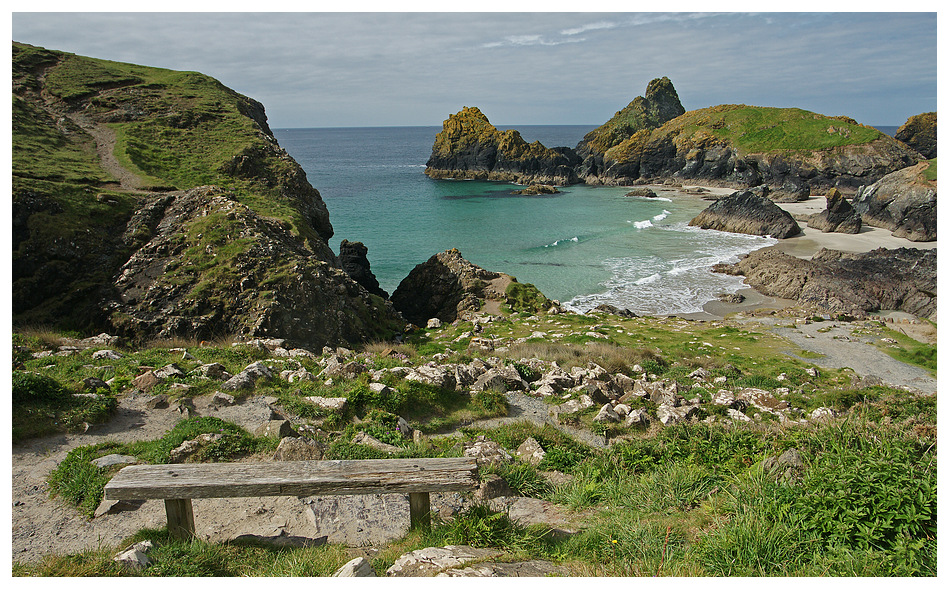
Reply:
x=753 y=129
x=179 y=129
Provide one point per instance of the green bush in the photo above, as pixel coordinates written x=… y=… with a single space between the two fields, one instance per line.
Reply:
x=30 y=387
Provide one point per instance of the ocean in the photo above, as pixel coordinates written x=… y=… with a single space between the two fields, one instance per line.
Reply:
x=586 y=246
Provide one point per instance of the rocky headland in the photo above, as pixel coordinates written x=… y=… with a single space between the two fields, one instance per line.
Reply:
x=790 y=151
x=152 y=203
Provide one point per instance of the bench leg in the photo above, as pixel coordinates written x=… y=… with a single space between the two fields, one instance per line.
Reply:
x=420 y=511
x=180 y=518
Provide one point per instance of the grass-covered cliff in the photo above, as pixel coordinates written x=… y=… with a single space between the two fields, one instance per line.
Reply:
x=792 y=151
x=111 y=164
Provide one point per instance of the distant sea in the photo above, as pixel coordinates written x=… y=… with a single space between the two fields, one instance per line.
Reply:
x=586 y=246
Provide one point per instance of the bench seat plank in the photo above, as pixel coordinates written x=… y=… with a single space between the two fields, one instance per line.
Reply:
x=299 y=477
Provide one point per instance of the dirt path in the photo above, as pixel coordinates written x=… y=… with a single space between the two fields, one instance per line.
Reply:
x=851 y=345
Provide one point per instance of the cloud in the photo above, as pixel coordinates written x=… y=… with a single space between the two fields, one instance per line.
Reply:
x=590 y=27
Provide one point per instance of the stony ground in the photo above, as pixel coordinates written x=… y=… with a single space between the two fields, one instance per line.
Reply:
x=41 y=525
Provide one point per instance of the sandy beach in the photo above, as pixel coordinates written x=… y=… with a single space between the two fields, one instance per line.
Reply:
x=805 y=245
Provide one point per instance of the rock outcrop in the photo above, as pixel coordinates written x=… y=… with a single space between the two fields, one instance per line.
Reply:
x=659 y=105
x=919 y=132
x=836 y=282
x=353 y=259
x=903 y=202
x=838 y=217
x=266 y=283
x=446 y=287
x=746 y=212
x=470 y=147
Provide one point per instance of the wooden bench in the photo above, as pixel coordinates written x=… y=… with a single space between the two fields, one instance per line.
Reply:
x=178 y=484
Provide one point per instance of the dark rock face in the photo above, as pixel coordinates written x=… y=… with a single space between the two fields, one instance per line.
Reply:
x=745 y=212
x=444 y=287
x=352 y=258
x=267 y=284
x=903 y=202
x=470 y=147
x=836 y=282
x=919 y=132
x=839 y=216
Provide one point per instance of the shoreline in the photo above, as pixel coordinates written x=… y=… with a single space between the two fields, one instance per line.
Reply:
x=804 y=246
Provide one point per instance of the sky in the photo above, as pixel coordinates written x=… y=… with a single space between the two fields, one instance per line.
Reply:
x=332 y=69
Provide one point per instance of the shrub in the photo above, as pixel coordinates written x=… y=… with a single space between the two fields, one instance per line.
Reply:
x=30 y=387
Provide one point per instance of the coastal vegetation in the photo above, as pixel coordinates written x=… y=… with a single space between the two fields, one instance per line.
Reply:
x=698 y=498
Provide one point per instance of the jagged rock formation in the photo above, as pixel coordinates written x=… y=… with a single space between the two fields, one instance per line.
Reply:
x=919 y=132
x=659 y=105
x=839 y=216
x=746 y=212
x=353 y=259
x=266 y=284
x=446 y=287
x=903 y=202
x=470 y=147
x=117 y=227
x=837 y=282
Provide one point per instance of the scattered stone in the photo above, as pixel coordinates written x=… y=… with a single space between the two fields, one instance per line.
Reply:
x=113 y=459
x=329 y=403
x=607 y=415
x=429 y=561
x=367 y=440
x=298 y=448
x=357 y=567
x=531 y=452
x=493 y=486
x=189 y=447
x=134 y=556
x=486 y=452
x=219 y=399
x=276 y=428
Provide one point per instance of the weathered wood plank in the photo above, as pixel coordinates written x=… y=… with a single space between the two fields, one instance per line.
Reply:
x=301 y=478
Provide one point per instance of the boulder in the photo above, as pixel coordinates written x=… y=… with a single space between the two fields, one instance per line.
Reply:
x=903 y=202
x=838 y=217
x=745 y=212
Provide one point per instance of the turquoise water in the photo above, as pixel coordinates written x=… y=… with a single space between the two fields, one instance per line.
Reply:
x=586 y=246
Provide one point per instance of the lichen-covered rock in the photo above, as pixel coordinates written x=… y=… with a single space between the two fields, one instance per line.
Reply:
x=919 y=132
x=903 y=202
x=745 y=212
x=838 y=217
x=470 y=147
x=445 y=287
